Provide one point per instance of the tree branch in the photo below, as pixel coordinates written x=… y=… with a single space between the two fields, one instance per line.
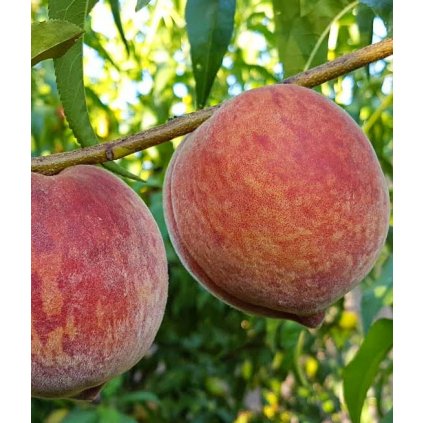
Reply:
x=112 y=150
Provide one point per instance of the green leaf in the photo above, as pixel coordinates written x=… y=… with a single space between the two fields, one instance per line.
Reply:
x=377 y=294
x=119 y=170
x=52 y=39
x=70 y=80
x=139 y=396
x=81 y=416
x=365 y=17
x=141 y=4
x=114 y=5
x=69 y=73
x=111 y=415
x=209 y=24
x=388 y=417
x=91 y=4
x=299 y=28
x=359 y=375
x=384 y=9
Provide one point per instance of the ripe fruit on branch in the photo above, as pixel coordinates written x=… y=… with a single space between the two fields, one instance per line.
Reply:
x=99 y=281
x=277 y=204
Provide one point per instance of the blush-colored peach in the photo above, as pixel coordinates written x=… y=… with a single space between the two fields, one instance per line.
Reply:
x=99 y=281
x=277 y=204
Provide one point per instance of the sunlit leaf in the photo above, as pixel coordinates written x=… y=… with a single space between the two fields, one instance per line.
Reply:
x=141 y=4
x=209 y=24
x=299 y=25
x=52 y=39
x=359 y=375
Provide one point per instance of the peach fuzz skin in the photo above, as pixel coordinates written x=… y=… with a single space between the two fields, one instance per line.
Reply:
x=277 y=204
x=99 y=281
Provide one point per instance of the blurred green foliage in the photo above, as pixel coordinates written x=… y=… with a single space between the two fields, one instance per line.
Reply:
x=211 y=363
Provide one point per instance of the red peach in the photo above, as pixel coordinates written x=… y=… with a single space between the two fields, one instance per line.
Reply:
x=277 y=204
x=99 y=281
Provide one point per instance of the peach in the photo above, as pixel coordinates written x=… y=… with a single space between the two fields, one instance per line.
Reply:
x=277 y=204
x=99 y=281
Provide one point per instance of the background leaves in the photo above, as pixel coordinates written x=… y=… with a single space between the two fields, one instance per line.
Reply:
x=299 y=25
x=384 y=9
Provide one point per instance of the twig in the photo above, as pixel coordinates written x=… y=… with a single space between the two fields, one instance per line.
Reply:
x=112 y=150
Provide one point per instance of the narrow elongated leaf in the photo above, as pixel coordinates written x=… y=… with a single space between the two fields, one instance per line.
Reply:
x=69 y=73
x=360 y=373
x=141 y=4
x=299 y=25
x=52 y=39
x=70 y=79
x=93 y=40
x=209 y=24
x=376 y=295
x=114 y=5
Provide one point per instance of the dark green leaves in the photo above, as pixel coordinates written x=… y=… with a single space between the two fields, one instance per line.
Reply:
x=81 y=416
x=361 y=371
x=139 y=396
x=299 y=28
x=141 y=4
x=383 y=9
x=209 y=25
x=52 y=39
x=389 y=417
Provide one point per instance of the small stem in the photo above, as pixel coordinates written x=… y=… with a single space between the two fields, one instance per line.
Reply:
x=112 y=150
